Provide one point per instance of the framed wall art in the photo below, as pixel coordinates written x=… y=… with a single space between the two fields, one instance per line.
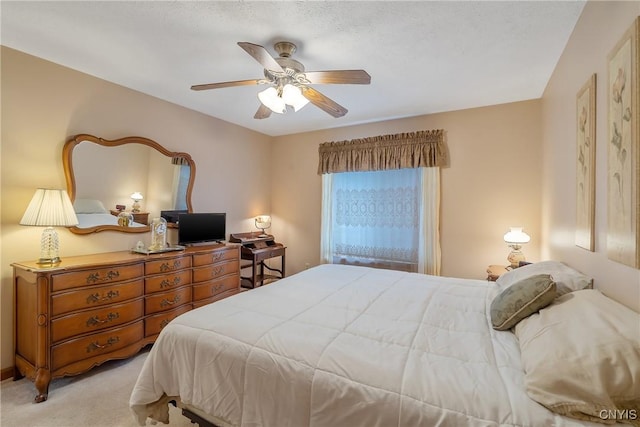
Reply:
x=585 y=164
x=623 y=151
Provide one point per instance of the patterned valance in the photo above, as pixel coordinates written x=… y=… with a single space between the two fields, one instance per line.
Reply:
x=405 y=150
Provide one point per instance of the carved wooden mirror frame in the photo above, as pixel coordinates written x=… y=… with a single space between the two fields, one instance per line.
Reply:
x=67 y=161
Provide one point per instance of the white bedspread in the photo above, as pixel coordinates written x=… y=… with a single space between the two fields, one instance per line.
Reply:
x=346 y=346
x=97 y=219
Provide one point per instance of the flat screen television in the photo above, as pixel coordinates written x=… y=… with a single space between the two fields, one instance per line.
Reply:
x=201 y=228
x=172 y=216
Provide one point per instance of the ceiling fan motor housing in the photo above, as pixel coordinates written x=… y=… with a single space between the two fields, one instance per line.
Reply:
x=285 y=49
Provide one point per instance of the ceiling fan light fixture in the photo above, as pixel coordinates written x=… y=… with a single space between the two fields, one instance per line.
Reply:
x=270 y=99
x=292 y=95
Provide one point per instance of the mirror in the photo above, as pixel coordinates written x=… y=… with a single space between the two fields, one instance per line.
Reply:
x=102 y=175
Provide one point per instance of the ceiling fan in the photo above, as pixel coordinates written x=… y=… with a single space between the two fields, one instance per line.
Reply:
x=289 y=82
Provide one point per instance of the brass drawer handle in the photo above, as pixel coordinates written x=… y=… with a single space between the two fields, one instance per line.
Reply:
x=216 y=288
x=95 y=320
x=164 y=323
x=217 y=256
x=167 y=267
x=217 y=271
x=167 y=284
x=95 y=277
x=96 y=345
x=165 y=302
x=97 y=298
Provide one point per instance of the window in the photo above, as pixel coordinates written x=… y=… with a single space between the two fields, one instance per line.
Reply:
x=381 y=200
x=384 y=219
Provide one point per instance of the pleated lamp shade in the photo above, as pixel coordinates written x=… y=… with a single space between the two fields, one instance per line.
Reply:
x=49 y=208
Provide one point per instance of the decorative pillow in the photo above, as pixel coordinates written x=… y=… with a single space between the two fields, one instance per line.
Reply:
x=566 y=278
x=521 y=299
x=581 y=357
x=88 y=206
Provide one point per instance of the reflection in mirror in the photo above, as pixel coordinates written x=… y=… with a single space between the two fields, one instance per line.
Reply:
x=102 y=175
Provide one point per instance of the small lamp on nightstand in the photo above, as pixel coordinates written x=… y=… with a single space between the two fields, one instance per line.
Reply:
x=136 y=197
x=49 y=208
x=263 y=222
x=515 y=238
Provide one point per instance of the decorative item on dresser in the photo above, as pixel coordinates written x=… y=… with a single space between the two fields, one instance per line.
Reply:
x=93 y=308
x=136 y=197
x=139 y=217
x=49 y=208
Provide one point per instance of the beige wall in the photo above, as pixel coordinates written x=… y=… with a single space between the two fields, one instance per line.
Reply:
x=600 y=27
x=493 y=182
x=43 y=104
x=511 y=164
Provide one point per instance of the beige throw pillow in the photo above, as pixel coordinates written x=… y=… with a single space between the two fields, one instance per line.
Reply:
x=521 y=299
x=581 y=357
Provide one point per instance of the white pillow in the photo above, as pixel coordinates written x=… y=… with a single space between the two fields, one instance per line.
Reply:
x=567 y=279
x=581 y=357
x=89 y=206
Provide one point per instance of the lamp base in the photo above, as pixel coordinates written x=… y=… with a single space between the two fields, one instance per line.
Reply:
x=49 y=261
x=49 y=246
x=515 y=257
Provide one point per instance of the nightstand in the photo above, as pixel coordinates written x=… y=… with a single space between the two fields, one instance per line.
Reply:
x=494 y=271
x=139 y=217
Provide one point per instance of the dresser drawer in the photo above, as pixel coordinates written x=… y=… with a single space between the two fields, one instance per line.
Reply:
x=96 y=276
x=215 y=271
x=95 y=296
x=215 y=256
x=166 y=301
x=96 y=344
x=165 y=282
x=214 y=287
x=167 y=265
x=154 y=324
x=226 y=294
x=95 y=320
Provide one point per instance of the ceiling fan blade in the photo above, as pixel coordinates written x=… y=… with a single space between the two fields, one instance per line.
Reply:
x=263 y=112
x=261 y=55
x=322 y=102
x=352 y=77
x=226 y=84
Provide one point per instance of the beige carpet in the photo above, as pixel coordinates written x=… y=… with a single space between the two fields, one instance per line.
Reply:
x=99 y=398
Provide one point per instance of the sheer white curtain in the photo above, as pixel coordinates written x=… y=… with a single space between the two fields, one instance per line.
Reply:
x=384 y=218
x=181 y=177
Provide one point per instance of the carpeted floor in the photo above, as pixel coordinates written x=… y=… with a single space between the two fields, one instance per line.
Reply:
x=99 y=398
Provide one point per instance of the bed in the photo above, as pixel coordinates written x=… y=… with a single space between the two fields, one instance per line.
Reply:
x=339 y=345
x=92 y=213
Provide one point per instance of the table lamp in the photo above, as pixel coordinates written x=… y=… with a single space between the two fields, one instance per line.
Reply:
x=515 y=238
x=263 y=222
x=50 y=208
x=136 y=197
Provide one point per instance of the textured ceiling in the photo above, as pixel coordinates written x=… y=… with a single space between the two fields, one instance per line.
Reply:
x=423 y=57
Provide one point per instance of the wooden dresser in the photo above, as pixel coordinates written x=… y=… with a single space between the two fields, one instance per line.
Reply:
x=93 y=308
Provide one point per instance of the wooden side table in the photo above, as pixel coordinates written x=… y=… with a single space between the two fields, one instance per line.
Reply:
x=260 y=272
x=494 y=271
